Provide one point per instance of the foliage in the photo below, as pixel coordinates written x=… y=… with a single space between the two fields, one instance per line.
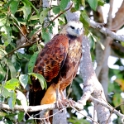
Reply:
x=25 y=18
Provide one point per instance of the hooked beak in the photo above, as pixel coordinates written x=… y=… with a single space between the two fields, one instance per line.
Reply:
x=78 y=31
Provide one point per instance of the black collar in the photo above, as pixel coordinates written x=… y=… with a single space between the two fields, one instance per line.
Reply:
x=71 y=36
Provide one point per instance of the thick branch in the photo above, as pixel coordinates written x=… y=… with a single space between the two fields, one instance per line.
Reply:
x=91 y=84
x=29 y=108
x=113 y=110
x=103 y=75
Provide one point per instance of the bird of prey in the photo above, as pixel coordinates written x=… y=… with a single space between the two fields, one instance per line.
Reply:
x=58 y=62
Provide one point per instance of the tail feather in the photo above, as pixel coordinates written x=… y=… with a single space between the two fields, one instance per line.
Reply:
x=34 y=100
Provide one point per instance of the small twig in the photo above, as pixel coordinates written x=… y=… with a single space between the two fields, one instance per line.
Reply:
x=49 y=115
x=62 y=13
x=83 y=114
x=104 y=77
x=114 y=108
x=55 y=18
x=30 y=43
x=107 y=106
x=23 y=46
x=21 y=32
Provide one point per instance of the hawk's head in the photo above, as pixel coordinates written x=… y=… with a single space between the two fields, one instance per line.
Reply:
x=73 y=28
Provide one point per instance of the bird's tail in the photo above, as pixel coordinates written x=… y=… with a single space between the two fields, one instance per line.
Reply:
x=35 y=96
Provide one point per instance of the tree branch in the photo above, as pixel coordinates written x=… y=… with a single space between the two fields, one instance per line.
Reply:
x=76 y=105
x=27 y=44
x=106 y=31
x=113 y=110
x=91 y=85
x=118 y=20
x=103 y=75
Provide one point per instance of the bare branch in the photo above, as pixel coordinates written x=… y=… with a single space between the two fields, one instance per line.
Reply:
x=55 y=18
x=118 y=20
x=91 y=85
x=29 y=108
x=53 y=106
x=106 y=31
x=27 y=44
x=103 y=75
x=108 y=106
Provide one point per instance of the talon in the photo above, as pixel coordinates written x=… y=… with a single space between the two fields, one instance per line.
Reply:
x=63 y=103
x=71 y=102
x=59 y=104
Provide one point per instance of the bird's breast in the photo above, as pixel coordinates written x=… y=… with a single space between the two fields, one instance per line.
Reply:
x=74 y=51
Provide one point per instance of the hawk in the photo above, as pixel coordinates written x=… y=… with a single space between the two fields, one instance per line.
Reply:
x=58 y=62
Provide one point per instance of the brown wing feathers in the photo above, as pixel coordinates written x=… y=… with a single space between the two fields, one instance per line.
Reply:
x=49 y=63
x=51 y=57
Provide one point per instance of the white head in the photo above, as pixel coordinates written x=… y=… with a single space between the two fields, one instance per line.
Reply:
x=74 y=28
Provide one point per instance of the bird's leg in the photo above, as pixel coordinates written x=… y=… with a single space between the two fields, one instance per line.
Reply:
x=65 y=101
x=47 y=120
x=62 y=95
x=58 y=99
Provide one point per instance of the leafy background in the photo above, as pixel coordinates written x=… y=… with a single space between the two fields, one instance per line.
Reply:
x=23 y=35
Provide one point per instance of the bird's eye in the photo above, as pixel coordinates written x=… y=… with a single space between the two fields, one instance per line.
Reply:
x=72 y=27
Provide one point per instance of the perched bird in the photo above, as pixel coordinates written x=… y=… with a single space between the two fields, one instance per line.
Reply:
x=58 y=62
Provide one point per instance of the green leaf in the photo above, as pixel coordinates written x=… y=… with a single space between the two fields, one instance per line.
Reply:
x=117 y=100
x=84 y=20
x=56 y=9
x=2 y=53
x=10 y=118
x=34 y=17
x=45 y=35
x=23 y=78
x=92 y=39
x=93 y=4
x=122 y=108
x=12 y=100
x=20 y=116
x=77 y=91
x=11 y=68
x=5 y=93
x=118 y=62
x=23 y=56
x=101 y=2
x=32 y=62
x=63 y=4
x=6 y=36
x=75 y=120
x=83 y=2
x=29 y=3
x=12 y=84
x=2 y=114
x=77 y=4
x=40 y=78
x=43 y=15
x=2 y=73
x=26 y=9
x=14 y=6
